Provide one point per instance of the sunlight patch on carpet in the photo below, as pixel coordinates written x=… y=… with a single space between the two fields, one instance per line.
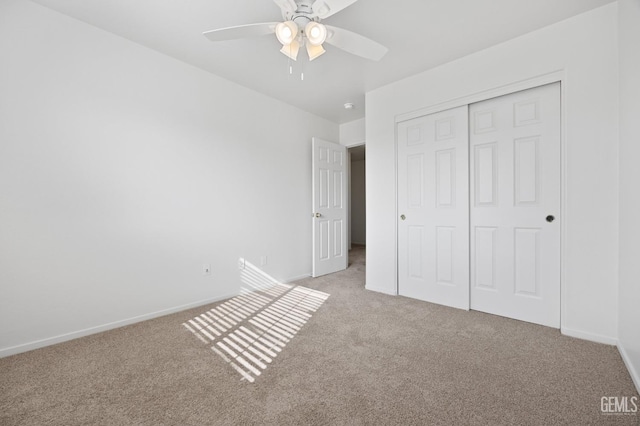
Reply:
x=250 y=330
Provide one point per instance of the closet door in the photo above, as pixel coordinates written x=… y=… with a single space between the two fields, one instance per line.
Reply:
x=515 y=205
x=433 y=208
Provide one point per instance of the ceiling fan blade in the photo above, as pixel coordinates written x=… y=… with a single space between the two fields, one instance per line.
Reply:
x=241 y=31
x=325 y=8
x=287 y=6
x=355 y=43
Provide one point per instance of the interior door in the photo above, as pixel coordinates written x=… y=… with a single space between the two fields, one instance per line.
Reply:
x=515 y=205
x=329 y=185
x=433 y=208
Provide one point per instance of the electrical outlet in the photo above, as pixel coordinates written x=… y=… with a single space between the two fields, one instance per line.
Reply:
x=241 y=263
x=263 y=260
x=206 y=269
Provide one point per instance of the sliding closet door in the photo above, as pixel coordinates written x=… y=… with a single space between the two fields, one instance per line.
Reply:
x=515 y=205
x=433 y=208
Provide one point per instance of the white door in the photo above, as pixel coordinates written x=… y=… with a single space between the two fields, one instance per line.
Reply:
x=329 y=185
x=433 y=208
x=515 y=205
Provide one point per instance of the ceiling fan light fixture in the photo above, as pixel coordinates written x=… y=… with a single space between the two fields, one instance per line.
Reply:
x=286 y=32
x=302 y=27
x=291 y=50
x=314 y=51
x=316 y=33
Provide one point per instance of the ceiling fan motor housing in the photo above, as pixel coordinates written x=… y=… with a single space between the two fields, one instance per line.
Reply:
x=302 y=15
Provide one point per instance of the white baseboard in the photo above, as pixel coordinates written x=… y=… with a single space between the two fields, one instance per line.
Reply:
x=100 y=328
x=294 y=279
x=598 y=338
x=379 y=290
x=635 y=375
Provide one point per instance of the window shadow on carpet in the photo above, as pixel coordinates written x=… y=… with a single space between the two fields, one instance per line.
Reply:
x=250 y=330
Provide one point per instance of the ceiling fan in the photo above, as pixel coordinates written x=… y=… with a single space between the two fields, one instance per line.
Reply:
x=302 y=26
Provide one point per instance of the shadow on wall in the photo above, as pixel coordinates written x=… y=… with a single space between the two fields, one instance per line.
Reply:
x=250 y=330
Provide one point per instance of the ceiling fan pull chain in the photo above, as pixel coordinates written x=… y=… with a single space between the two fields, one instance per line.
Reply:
x=290 y=65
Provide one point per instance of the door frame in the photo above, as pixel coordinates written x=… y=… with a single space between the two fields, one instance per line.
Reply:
x=540 y=80
x=349 y=146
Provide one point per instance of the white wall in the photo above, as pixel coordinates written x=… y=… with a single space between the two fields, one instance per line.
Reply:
x=358 y=203
x=352 y=133
x=123 y=171
x=629 y=317
x=585 y=48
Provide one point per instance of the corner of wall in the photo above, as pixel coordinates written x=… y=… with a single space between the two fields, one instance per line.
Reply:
x=635 y=374
x=628 y=197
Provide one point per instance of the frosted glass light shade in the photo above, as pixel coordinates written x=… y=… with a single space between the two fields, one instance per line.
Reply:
x=314 y=51
x=286 y=32
x=291 y=50
x=316 y=33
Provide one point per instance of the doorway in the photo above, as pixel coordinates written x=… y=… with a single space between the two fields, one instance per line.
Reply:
x=357 y=197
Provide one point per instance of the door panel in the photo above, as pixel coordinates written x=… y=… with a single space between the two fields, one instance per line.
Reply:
x=329 y=207
x=433 y=238
x=515 y=176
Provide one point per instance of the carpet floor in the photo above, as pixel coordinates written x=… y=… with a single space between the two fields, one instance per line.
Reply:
x=320 y=351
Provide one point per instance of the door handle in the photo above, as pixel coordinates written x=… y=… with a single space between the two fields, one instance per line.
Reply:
x=550 y=218
x=403 y=217
x=317 y=215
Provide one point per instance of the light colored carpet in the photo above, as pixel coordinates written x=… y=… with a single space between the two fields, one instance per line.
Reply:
x=361 y=358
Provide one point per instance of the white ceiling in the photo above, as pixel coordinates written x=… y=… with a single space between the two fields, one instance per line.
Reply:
x=420 y=34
